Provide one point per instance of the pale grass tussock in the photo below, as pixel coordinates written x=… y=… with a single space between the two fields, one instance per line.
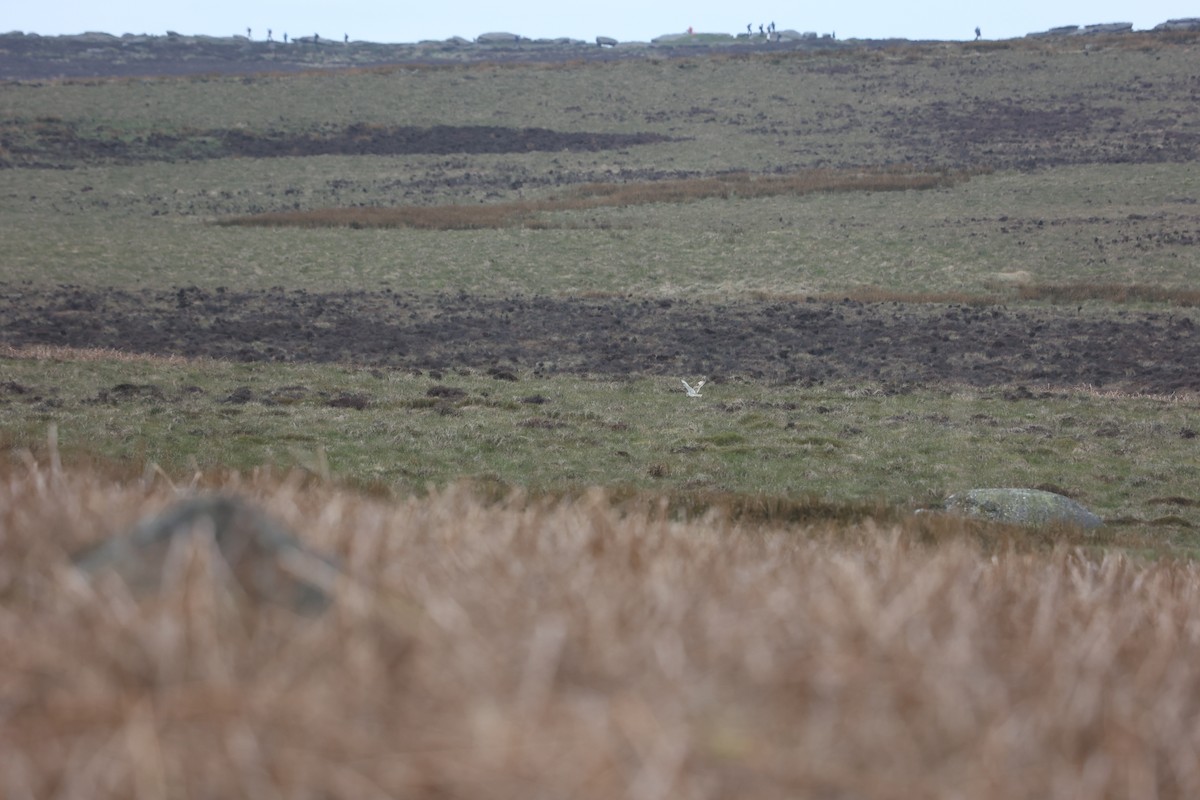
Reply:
x=45 y=352
x=572 y=649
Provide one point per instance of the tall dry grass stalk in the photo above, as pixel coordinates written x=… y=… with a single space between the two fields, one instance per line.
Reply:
x=46 y=352
x=529 y=213
x=534 y=649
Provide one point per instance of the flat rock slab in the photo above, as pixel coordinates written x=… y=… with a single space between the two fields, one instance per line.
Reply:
x=1022 y=507
x=265 y=560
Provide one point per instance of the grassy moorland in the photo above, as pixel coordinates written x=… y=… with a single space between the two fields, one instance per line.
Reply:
x=923 y=173
x=1081 y=176
x=585 y=584
x=844 y=451
x=1130 y=225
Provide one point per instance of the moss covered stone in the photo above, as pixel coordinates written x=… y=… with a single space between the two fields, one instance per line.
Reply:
x=1022 y=507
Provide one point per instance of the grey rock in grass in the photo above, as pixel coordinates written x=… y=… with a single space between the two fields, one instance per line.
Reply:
x=1022 y=507
x=1109 y=27
x=1061 y=30
x=606 y=41
x=1187 y=23
x=794 y=36
x=672 y=38
x=263 y=558
x=499 y=37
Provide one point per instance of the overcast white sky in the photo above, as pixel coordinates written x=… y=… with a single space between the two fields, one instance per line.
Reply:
x=627 y=20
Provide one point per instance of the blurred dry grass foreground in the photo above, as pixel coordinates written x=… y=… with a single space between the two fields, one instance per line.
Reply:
x=574 y=649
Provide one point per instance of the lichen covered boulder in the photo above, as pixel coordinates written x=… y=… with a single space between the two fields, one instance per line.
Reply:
x=264 y=559
x=1022 y=507
x=498 y=37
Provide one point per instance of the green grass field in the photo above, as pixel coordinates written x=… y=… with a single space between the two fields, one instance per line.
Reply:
x=1110 y=235
x=851 y=451
x=149 y=225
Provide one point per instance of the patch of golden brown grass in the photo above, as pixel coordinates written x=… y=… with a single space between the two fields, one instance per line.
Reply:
x=555 y=649
x=45 y=352
x=1052 y=293
x=875 y=294
x=530 y=213
x=1109 y=292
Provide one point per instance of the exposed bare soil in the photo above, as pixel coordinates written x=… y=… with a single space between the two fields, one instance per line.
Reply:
x=1006 y=134
x=61 y=143
x=802 y=342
